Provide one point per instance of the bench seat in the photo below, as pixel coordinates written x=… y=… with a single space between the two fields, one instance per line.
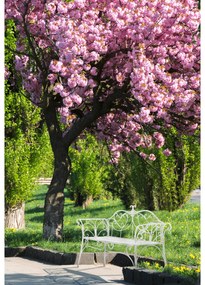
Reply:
x=124 y=241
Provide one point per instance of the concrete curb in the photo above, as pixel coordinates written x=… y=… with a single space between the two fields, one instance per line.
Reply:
x=58 y=258
x=149 y=277
x=49 y=256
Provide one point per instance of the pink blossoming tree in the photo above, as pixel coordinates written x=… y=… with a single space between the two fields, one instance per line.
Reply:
x=123 y=69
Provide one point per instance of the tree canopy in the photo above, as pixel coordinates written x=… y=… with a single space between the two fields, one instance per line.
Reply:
x=126 y=67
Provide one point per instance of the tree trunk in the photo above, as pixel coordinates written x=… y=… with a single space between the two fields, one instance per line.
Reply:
x=88 y=201
x=83 y=200
x=14 y=216
x=149 y=200
x=79 y=198
x=60 y=142
x=54 y=201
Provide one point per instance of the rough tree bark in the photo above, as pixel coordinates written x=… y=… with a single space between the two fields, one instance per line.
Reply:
x=14 y=216
x=54 y=200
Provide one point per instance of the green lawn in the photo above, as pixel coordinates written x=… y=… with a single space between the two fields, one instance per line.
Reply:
x=182 y=245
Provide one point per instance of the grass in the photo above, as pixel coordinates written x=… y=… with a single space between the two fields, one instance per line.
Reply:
x=182 y=244
x=190 y=274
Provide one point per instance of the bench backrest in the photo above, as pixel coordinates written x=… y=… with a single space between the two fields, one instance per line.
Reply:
x=141 y=225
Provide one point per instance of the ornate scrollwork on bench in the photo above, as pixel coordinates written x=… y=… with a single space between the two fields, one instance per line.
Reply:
x=132 y=229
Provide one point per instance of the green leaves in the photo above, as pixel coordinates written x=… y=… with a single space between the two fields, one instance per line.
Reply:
x=10 y=41
x=27 y=149
x=164 y=183
x=88 y=168
x=18 y=174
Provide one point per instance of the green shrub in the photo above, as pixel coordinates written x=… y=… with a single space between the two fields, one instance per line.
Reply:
x=89 y=170
x=165 y=183
x=27 y=150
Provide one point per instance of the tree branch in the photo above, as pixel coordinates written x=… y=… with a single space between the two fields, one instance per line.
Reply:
x=53 y=126
x=38 y=62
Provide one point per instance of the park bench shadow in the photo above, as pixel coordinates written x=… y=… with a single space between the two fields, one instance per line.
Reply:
x=80 y=276
x=58 y=276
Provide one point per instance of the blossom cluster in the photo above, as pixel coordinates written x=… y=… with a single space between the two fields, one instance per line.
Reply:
x=82 y=50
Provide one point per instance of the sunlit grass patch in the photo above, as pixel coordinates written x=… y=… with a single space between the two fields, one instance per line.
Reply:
x=182 y=244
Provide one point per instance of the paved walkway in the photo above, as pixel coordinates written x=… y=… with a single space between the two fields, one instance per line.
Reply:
x=195 y=196
x=22 y=271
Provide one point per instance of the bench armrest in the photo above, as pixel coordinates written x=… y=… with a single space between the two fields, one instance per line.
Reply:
x=152 y=231
x=92 y=227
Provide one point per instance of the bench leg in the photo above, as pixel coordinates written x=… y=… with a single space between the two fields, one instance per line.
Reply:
x=104 y=255
x=135 y=257
x=80 y=254
x=163 y=254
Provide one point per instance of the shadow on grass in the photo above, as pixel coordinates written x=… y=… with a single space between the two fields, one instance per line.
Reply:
x=36 y=197
x=72 y=234
x=35 y=210
x=34 y=236
x=22 y=238
x=101 y=211
x=37 y=219
x=69 y=210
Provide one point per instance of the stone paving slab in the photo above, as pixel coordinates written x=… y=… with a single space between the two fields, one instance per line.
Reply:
x=22 y=271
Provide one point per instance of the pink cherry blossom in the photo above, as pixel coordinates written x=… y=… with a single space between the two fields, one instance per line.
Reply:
x=159 y=139
x=143 y=155
x=167 y=152
x=56 y=66
x=58 y=88
x=52 y=77
x=21 y=62
x=152 y=157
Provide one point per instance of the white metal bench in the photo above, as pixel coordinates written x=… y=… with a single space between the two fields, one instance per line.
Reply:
x=131 y=229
